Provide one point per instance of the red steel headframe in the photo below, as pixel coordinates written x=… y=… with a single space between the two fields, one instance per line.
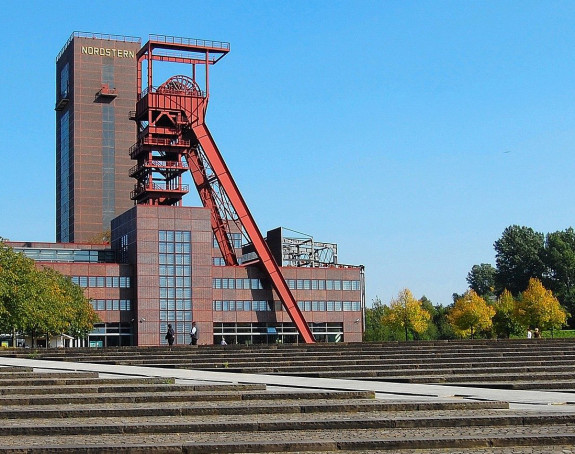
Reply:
x=216 y=186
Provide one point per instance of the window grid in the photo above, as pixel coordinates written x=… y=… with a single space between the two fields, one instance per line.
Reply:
x=175 y=283
x=102 y=281
x=111 y=305
x=266 y=306
x=323 y=284
x=239 y=284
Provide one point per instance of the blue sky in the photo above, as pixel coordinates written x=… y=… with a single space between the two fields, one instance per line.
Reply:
x=411 y=133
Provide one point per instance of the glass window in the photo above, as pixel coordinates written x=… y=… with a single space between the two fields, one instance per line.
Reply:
x=347 y=305
x=330 y=306
x=64 y=81
x=346 y=285
x=337 y=306
x=291 y=284
x=306 y=284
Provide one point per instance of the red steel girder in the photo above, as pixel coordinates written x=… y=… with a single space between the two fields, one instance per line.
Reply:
x=219 y=224
x=247 y=221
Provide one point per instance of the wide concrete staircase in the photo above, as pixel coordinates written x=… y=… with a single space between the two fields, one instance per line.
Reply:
x=78 y=412
x=510 y=364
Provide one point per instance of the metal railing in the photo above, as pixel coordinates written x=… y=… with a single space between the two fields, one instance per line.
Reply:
x=198 y=93
x=190 y=41
x=136 y=148
x=159 y=165
x=138 y=189
x=102 y=36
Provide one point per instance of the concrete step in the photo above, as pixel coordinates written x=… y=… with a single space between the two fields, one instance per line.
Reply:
x=17 y=375
x=381 y=440
x=103 y=389
x=307 y=419
x=284 y=403
x=9 y=406
x=10 y=369
x=62 y=380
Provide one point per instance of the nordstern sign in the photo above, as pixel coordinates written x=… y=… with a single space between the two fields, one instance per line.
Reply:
x=107 y=52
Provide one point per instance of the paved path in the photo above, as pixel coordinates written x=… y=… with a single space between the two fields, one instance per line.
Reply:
x=518 y=399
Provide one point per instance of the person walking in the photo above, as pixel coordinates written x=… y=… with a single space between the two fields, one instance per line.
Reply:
x=170 y=335
x=195 y=334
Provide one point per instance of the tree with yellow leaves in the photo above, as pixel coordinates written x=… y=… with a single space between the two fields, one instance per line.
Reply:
x=470 y=314
x=407 y=313
x=538 y=307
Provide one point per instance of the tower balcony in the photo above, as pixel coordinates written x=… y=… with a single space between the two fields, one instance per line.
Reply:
x=105 y=94
x=148 y=143
x=162 y=193
x=168 y=169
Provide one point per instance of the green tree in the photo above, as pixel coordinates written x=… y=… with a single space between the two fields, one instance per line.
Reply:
x=40 y=302
x=471 y=314
x=481 y=280
x=17 y=287
x=519 y=256
x=407 y=313
x=538 y=307
x=374 y=329
x=505 y=322
x=560 y=262
x=444 y=329
x=432 y=331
